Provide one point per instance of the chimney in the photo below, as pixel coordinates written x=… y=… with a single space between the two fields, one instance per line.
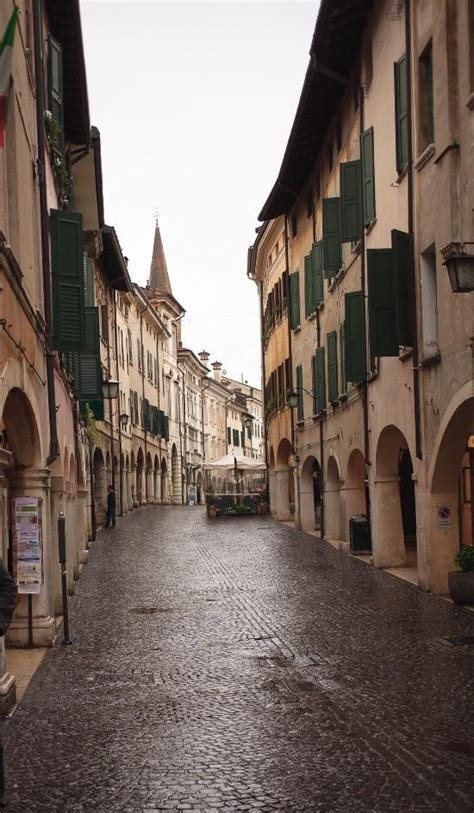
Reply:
x=204 y=356
x=217 y=367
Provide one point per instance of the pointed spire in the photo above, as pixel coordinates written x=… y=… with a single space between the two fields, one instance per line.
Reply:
x=159 y=278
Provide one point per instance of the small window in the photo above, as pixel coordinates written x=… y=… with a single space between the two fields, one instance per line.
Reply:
x=330 y=156
x=425 y=98
x=294 y=225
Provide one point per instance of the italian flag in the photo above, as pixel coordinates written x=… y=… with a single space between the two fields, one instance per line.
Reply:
x=6 y=54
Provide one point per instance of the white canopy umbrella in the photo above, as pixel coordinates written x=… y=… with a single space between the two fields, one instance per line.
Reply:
x=235 y=461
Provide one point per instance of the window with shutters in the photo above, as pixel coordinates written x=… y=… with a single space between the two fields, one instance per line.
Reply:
x=313 y=384
x=354 y=337
x=299 y=390
x=368 y=175
x=426 y=134
x=308 y=286
x=294 y=285
x=333 y=389
x=351 y=201
x=139 y=356
x=130 y=346
x=320 y=379
x=55 y=94
x=281 y=385
x=229 y=436
x=429 y=303
x=104 y=323
x=235 y=437
x=284 y=289
x=317 y=269
x=242 y=439
x=332 y=248
x=401 y=113
x=342 y=358
x=68 y=292
x=288 y=383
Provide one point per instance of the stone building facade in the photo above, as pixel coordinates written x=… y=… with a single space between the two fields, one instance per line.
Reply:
x=375 y=182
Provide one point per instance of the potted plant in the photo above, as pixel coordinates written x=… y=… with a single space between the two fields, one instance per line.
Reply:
x=461 y=582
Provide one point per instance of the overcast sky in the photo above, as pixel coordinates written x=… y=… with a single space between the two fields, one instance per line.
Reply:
x=195 y=102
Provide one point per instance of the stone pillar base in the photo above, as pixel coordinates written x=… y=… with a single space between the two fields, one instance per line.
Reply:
x=83 y=557
x=7 y=693
x=44 y=632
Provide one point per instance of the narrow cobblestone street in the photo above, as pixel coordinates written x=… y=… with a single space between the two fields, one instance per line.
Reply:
x=268 y=671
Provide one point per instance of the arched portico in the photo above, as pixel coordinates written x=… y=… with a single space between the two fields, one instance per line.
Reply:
x=149 y=479
x=156 y=480
x=394 y=503
x=311 y=494
x=285 y=490
x=272 y=480
x=353 y=491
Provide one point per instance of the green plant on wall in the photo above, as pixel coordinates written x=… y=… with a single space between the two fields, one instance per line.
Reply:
x=61 y=173
x=91 y=427
x=464 y=559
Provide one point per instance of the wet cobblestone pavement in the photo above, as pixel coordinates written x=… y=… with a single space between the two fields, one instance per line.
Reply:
x=268 y=672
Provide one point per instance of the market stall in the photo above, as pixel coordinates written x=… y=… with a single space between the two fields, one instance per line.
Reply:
x=235 y=485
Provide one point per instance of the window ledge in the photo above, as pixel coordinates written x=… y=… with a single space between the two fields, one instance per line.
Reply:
x=372 y=375
x=312 y=316
x=470 y=102
x=343 y=398
x=424 y=157
x=300 y=424
x=296 y=329
x=370 y=226
x=431 y=361
x=405 y=353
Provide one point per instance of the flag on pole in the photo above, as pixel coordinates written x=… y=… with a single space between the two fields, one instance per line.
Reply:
x=6 y=54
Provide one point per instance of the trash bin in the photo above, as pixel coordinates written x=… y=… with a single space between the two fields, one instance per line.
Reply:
x=359 y=534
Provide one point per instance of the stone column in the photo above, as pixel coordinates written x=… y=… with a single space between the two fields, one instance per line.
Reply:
x=7 y=681
x=150 y=496
x=82 y=536
x=388 y=542
x=282 y=495
x=332 y=511
x=272 y=491
x=157 y=486
x=35 y=482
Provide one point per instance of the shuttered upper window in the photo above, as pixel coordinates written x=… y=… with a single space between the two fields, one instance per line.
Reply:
x=67 y=260
x=55 y=88
x=299 y=390
x=368 y=175
x=332 y=252
x=294 y=285
x=320 y=379
x=333 y=389
x=401 y=112
x=351 y=201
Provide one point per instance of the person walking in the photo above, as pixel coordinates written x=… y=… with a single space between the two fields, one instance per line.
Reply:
x=8 y=602
x=110 y=507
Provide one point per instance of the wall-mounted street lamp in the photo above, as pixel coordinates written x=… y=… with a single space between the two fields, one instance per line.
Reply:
x=110 y=389
x=460 y=264
x=248 y=422
x=123 y=420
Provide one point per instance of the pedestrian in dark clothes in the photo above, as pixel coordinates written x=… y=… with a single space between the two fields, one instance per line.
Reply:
x=110 y=508
x=8 y=601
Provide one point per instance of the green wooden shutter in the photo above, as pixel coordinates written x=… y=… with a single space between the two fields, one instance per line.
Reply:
x=229 y=436
x=332 y=366
x=308 y=286
x=320 y=380
x=332 y=253
x=368 y=174
x=351 y=201
x=299 y=390
x=382 y=296
x=55 y=95
x=342 y=357
x=401 y=259
x=67 y=280
x=318 y=281
x=313 y=374
x=294 y=281
x=401 y=112
x=88 y=281
x=354 y=337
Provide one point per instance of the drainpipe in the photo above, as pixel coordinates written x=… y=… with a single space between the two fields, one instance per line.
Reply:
x=321 y=420
x=411 y=255
x=290 y=365
x=119 y=425
x=54 y=451
x=365 y=391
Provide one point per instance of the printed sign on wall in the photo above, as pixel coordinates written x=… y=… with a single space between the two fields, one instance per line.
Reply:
x=28 y=544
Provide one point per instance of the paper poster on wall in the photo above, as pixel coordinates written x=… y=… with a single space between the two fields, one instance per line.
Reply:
x=28 y=544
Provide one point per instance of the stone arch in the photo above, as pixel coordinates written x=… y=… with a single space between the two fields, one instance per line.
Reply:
x=332 y=503
x=140 y=496
x=284 y=506
x=394 y=504
x=133 y=479
x=128 y=484
x=176 y=476
x=311 y=494
x=100 y=486
x=272 y=480
x=21 y=436
x=450 y=487
x=164 y=481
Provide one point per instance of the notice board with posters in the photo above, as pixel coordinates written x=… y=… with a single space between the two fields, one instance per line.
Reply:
x=28 y=543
